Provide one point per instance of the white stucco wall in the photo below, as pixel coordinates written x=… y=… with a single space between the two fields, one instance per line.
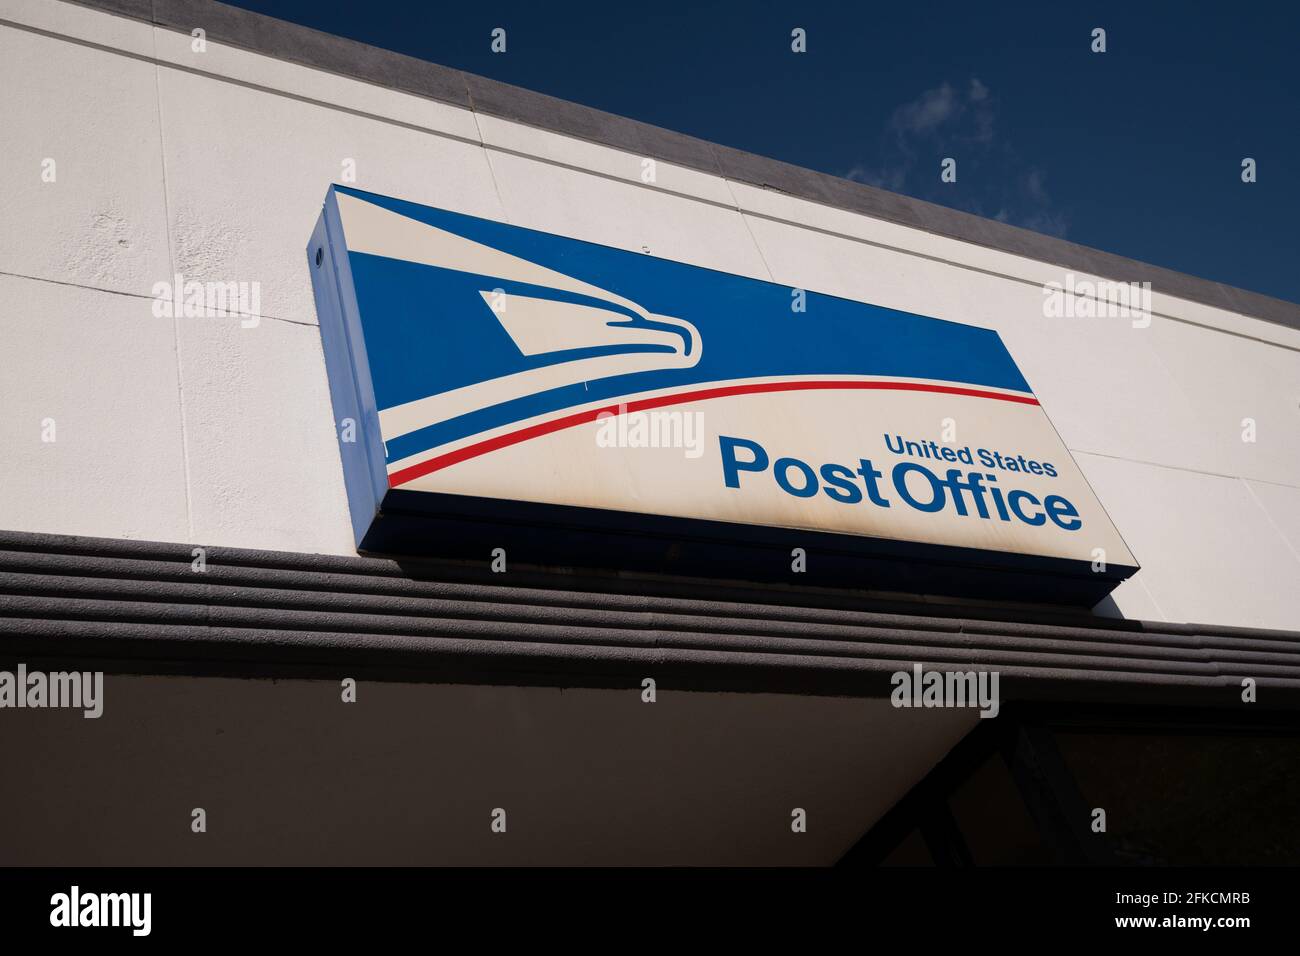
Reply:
x=214 y=165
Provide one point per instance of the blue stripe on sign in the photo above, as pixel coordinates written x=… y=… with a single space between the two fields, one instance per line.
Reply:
x=428 y=330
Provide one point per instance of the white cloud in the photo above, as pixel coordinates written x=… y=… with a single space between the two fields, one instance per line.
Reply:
x=960 y=122
x=927 y=112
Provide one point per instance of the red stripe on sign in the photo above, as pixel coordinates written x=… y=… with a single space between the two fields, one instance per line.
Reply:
x=581 y=418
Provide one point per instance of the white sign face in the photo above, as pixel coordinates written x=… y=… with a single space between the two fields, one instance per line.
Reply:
x=517 y=365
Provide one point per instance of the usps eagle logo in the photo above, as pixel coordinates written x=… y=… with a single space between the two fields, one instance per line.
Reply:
x=565 y=331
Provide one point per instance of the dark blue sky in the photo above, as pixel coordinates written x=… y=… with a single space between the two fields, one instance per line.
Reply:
x=1136 y=151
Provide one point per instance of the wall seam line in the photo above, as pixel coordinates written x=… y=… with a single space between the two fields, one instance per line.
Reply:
x=171 y=258
x=1269 y=518
x=1182 y=468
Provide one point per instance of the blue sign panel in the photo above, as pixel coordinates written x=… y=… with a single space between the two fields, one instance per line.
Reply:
x=488 y=368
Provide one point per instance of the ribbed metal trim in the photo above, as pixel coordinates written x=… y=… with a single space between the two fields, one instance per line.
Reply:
x=140 y=607
x=293 y=43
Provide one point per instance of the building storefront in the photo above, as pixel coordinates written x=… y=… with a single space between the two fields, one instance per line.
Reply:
x=431 y=485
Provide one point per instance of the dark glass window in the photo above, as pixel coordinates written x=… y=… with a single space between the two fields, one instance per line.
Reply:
x=993 y=820
x=1194 y=799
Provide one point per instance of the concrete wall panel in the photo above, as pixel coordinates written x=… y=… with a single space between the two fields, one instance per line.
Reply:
x=1282 y=505
x=103 y=369
x=626 y=215
x=101 y=222
x=1227 y=379
x=263 y=459
x=247 y=173
x=1209 y=552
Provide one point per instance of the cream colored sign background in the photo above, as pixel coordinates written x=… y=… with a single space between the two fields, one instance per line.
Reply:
x=570 y=468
